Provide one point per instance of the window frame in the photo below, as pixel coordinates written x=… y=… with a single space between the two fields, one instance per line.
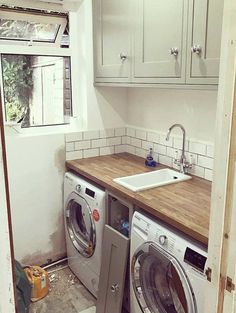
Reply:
x=37 y=17
x=37 y=51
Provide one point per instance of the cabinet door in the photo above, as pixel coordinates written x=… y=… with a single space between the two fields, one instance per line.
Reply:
x=112 y=40
x=160 y=26
x=205 y=23
x=113 y=270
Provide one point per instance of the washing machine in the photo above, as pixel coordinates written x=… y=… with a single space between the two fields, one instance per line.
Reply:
x=167 y=269
x=84 y=216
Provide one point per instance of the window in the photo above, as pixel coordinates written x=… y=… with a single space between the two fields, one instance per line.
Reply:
x=31 y=28
x=37 y=89
x=36 y=86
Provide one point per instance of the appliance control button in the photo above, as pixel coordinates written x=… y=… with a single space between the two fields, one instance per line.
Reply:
x=163 y=240
x=78 y=188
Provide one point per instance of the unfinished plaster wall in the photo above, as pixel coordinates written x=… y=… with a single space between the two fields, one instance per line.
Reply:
x=36 y=169
x=7 y=303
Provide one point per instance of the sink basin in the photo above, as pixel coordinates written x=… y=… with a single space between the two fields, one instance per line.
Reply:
x=151 y=179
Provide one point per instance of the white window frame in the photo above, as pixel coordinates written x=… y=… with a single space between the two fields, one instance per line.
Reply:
x=37 y=51
x=61 y=21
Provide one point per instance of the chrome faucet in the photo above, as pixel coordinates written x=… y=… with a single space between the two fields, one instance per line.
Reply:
x=182 y=162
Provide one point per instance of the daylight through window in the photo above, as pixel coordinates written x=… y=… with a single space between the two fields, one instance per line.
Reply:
x=37 y=89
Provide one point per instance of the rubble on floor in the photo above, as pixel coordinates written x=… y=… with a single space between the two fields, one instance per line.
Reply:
x=66 y=294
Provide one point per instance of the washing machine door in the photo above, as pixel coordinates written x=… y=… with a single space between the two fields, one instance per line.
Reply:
x=160 y=283
x=80 y=225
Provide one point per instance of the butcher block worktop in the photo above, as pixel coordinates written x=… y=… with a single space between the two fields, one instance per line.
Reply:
x=184 y=205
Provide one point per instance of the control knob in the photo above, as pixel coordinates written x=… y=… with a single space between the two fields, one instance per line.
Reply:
x=163 y=240
x=78 y=188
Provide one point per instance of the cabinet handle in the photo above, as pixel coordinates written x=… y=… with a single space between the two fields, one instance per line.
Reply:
x=123 y=57
x=174 y=51
x=196 y=49
x=115 y=288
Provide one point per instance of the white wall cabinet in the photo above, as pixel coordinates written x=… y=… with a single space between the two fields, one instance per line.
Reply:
x=161 y=41
x=204 y=41
x=112 y=40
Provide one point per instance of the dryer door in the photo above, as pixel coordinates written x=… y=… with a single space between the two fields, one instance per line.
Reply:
x=80 y=225
x=160 y=283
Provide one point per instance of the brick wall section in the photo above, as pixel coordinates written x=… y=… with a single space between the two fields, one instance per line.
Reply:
x=138 y=141
x=67 y=88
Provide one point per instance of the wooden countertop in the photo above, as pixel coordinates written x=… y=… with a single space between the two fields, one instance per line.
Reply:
x=185 y=205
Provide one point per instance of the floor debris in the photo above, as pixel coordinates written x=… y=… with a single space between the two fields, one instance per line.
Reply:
x=66 y=294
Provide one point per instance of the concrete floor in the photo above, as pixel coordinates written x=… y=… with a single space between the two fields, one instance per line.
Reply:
x=66 y=295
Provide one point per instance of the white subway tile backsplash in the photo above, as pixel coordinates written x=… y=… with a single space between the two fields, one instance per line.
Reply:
x=130 y=149
x=91 y=153
x=164 y=142
x=113 y=141
x=205 y=162
x=163 y=159
x=97 y=143
x=175 y=166
x=156 y=157
x=173 y=153
x=141 y=134
x=208 y=174
x=140 y=152
x=197 y=147
x=85 y=144
x=210 y=151
x=130 y=132
x=120 y=148
x=125 y=140
x=107 y=150
x=178 y=143
x=70 y=146
x=153 y=137
x=197 y=170
x=74 y=136
x=106 y=133
x=73 y=155
x=136 y=142
x=160 y=149
x=91 y=134
x=120 y=131
x=147 y=145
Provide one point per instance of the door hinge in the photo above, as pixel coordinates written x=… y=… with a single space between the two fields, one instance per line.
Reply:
x=208 y=273
x=229 y=285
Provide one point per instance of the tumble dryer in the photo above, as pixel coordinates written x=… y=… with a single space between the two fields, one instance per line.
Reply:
x=84 y=216
x=167 y=269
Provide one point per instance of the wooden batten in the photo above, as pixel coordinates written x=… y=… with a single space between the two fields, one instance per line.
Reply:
x=222 y=236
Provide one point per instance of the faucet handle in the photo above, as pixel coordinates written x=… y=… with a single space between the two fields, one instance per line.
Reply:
x=177 y=162
x=188 y=164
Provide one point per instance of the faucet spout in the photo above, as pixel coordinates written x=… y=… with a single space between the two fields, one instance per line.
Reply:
x=182 y=161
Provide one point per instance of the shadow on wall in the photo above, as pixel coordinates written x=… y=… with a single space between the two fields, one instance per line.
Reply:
x=108 y=108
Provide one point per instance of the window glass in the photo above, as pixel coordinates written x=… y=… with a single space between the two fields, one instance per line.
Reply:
x=37 y=89
x=26 y=30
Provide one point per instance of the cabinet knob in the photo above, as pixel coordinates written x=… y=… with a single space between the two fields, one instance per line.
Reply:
x=123 y=57
x=196 y=49
x=114 y=288
x=174 y=51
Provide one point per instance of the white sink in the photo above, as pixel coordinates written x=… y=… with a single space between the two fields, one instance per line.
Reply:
x=151 y=179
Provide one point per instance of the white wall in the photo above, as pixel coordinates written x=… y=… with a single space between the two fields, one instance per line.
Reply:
x=7 y=302
x=102 y=107
x=36 y=167
x=160 y=108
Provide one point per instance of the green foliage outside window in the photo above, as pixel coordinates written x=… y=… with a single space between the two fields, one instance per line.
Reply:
x=18 y=83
